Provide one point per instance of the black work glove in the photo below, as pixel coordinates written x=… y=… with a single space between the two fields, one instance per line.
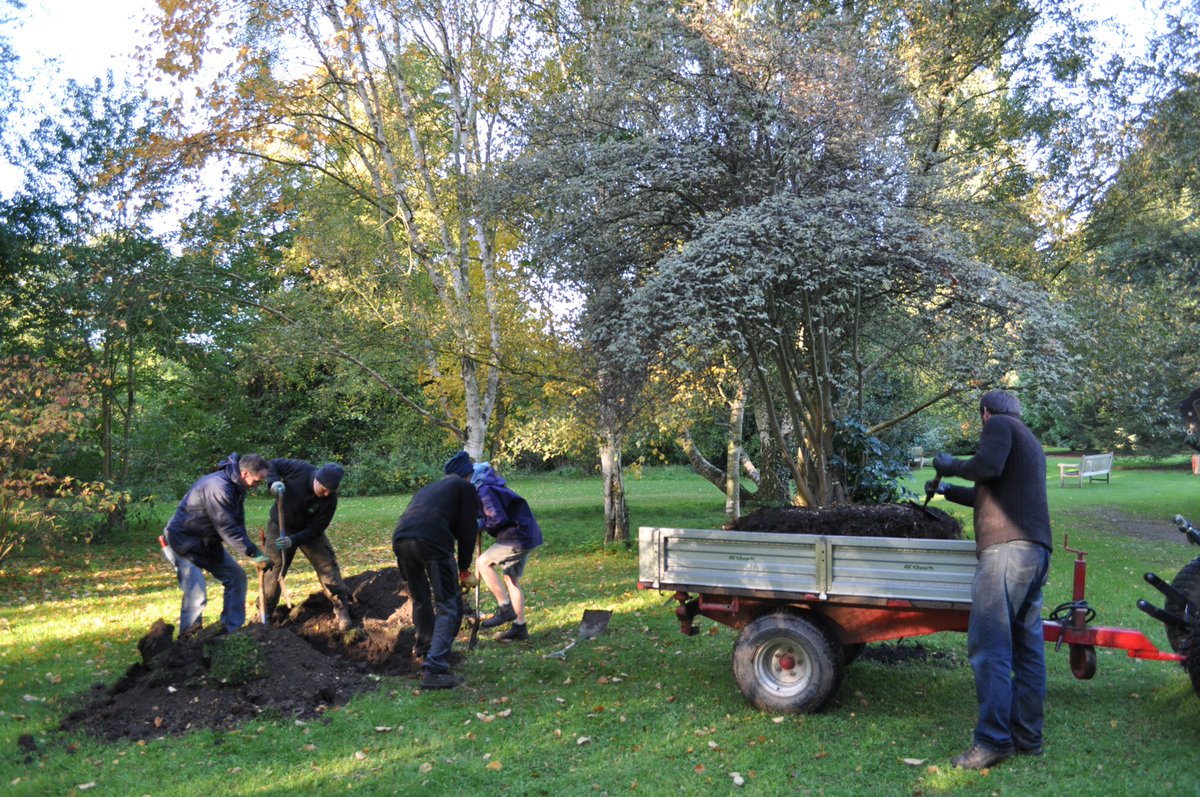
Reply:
x=942 y=464
x=934 y=487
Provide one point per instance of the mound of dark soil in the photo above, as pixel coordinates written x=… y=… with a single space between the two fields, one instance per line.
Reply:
x=867 y=520
x=309 y=666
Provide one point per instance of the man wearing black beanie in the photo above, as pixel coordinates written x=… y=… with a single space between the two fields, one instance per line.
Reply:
x=1013 y=544
x=439 y=522
x=308 y=497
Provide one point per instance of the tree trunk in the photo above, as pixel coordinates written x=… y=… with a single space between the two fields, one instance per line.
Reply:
x=705 y=469
x=616 y=513
x=733 y=455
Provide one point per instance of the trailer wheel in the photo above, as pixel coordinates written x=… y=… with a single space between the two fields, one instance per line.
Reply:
x=1083 y=661
x=1187 y=583
x=783 y=662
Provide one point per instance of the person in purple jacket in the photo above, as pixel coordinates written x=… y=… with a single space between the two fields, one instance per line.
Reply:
x=1013 y=545
x=508 y=518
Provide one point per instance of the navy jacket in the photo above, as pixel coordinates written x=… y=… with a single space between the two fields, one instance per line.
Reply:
x=1009 y=496
x=211 y=511
x=506 y=515
x=443 y=514
x=305 y=516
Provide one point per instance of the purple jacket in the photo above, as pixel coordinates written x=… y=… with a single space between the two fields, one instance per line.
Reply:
x=506 y=515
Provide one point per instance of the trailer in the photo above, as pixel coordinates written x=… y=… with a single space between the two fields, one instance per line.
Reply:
x=805 y=605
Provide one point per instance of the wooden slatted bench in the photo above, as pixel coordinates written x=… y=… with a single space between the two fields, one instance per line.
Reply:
x=1090 y=466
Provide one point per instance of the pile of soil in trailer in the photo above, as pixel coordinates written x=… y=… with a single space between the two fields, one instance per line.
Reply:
x=307 y=666
x=864 y=520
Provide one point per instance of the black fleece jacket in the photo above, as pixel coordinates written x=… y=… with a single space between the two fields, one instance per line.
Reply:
x=1009 y=496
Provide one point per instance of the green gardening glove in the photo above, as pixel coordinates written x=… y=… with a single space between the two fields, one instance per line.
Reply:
x=263 y=562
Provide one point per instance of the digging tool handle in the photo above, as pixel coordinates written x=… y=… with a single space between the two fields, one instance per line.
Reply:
x=474 y=640
x=931 y=489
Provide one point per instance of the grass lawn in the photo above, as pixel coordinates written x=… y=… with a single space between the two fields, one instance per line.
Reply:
x=640 y=710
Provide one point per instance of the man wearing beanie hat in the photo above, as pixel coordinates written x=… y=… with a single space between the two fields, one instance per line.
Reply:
x=439 y=522
x=308 y=497
x=1013 y=544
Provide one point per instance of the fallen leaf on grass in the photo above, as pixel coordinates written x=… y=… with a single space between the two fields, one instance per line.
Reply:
x=495 y=766
x=425 y=768
x=383 y=728
x=86 y=786
x=914 y=762
x=582 y=740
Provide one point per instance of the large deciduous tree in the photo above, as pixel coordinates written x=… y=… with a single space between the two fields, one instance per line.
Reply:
x=753 y=160
x=397 y=106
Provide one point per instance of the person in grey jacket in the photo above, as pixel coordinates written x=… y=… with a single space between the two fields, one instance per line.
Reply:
x=212 y=512
x=1013 y=544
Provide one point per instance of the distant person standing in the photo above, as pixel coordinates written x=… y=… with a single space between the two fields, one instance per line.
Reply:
x=508 y=518
x=308 y=497
x=439 y=517
x=212 y=511
x=1013 y=545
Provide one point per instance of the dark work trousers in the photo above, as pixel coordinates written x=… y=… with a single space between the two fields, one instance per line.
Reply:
x=436 y=604
x=319 y=553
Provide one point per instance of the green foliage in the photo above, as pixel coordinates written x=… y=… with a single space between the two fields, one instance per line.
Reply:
x=873 y=472
x=41 y=410
x=235 y=659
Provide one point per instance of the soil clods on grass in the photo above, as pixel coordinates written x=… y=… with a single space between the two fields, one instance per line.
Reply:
x=295 y=668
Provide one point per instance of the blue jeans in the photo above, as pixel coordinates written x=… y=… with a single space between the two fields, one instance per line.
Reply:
x=195 y=592
x=432 y=579
x=1005 y=645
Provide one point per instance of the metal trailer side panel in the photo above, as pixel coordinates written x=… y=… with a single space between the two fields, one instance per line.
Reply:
x=804 y=564
x=729 y=559
x=902 y=569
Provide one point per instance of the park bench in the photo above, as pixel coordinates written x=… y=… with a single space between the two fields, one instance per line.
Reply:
x=917 y=458
x=1089 y=466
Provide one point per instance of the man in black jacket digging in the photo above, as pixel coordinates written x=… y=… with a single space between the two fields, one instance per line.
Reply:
x=439 y=518
x=1013 y=544
x=308 y=496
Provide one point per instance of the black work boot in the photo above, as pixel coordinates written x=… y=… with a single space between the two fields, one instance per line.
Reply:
x=979 y=758
x=518 y=633
x=504 y=614
x=440 y=680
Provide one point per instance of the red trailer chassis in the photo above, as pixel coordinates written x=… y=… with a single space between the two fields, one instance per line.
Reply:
x=788 y=641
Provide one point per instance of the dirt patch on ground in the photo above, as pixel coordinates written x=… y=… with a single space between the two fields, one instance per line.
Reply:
x=1116 y=521
x=867 y=520
x=889 y=654
x=307 y=666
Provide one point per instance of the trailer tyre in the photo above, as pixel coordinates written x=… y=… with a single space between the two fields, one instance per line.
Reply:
x=785 y=663
x=1187 y=583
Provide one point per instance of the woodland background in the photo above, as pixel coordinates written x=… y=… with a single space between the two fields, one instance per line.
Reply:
x=781 y=242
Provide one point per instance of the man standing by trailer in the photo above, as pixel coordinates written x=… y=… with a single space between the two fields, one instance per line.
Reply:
x=212 y=511
x=308 y=497
x=1013 y=545
x=439 y=517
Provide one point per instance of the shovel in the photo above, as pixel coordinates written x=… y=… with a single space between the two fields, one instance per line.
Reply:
x=287 y=561
x=591 y=626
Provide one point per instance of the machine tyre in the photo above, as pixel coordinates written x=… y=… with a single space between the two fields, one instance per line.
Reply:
x=1083 y=661
x=783 y=662
x=1188 y=585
